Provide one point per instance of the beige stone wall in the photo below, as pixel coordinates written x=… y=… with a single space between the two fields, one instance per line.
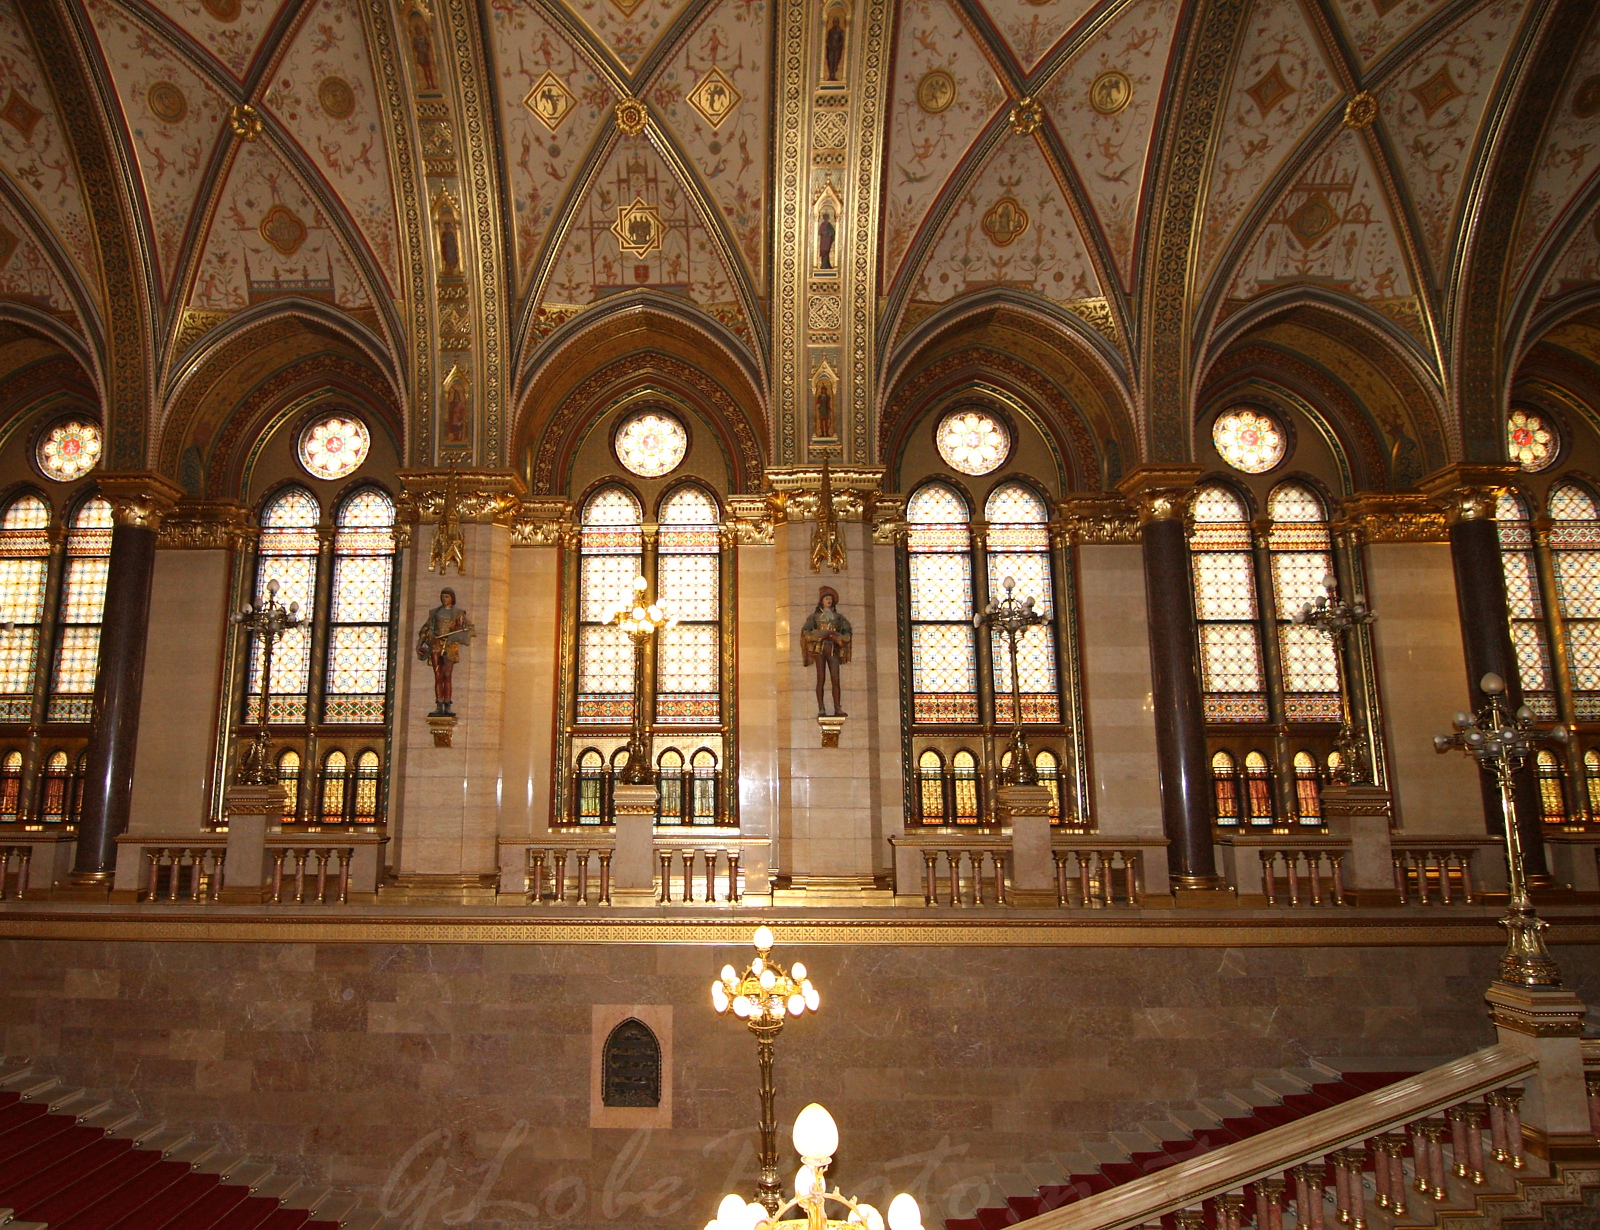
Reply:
x=182 y=692
x=451 y=1083
x=1422 y=678
x=756 y=632
x=533 y=655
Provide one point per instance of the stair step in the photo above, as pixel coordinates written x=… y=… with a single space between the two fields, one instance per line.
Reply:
x=21 y=1166
x=172 y=1201
x=82 y=1167
x=249 y=1214
x=120 y=1207
x=335 y=1207
x=66 y=1205
x=211 y=1209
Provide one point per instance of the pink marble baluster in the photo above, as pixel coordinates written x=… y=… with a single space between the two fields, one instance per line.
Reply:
x=1269 y=1203
x=346 y=853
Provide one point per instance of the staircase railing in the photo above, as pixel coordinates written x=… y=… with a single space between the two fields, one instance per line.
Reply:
x=1275 y=1162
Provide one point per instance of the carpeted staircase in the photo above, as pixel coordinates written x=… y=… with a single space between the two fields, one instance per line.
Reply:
x=1270 y=1102
x=68 y=1161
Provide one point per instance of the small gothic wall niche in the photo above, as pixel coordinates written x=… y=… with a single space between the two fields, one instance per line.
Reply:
x=835 y=38
x=630 y=1082
x=630 y=1067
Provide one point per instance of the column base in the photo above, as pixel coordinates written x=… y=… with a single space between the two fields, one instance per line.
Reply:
x=87 y=886
x=832 y=890
x=462 y=889
x=1203 y=892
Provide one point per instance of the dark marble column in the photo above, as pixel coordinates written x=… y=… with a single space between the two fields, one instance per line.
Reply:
x=1161 y=494
x=1468 y=494
x=138 y=503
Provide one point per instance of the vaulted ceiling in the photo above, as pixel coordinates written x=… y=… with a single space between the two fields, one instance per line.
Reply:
x=451 y=187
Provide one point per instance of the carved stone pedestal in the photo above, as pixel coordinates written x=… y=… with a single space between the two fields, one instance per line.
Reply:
x=831 y=726
x=1361 y=815
x=442 y=728
x=1027 y=810
x=1547 y=1023
x=251 y=811
x=633 y=865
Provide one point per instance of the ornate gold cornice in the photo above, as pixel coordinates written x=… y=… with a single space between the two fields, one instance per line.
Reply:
x=1400 y=516
x=749 y=520
x=206 y=525
x=889 y=519
x=1095 y=517
x=482 y=496
x=544 y=521
x=796 y=490
x=1159 y=492
x=1468 y=492
x=139 y=498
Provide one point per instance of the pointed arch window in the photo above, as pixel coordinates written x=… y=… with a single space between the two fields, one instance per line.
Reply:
x=1552 y=787
x=334 y=766
x=1019 y=548
x=289 y=779
x=287 y=554
x=689 y=586
x=1307 y=787
x=944 y=661
x=1226 y=608
x=610 y=556
x=1225 y=787
x=1049 y=770
x=359 y=620
x=11 y=787
x=24 y=569
x=930 y=786
x=669 y=784
x=83 y=600
x=964 y=787
x=1302 y=555
x=1258 y=787
x=590 y=796
x=703 y=786
x=1575 y=553
x=364 y=796
x=57 y=792
x=1591 y=773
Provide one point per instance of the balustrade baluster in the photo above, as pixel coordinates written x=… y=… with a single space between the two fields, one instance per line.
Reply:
x=1591 y=1086
x=1085 y=896
x=1456 y=1117
x=1513 y=1099
x=1000 y=876
x=1107 y=877
x=1060 y=857
x=1476 y=1114
x=1400 y=885
x=605 y=877
x=1337 y=858
x=930 y=877
x=1446 y=858
x=175 y=881
x=977 y=877
x=278 y=856
x=1419 y=1158
x=323 y=855
x=952 y=860
x=1308 y=1195
x=1466 y=876
x=1269 y=1203
x=1433 y=1131
x=1269 y=876
x=583 y=877
x=1291 y=859
x=346 y=853
x=1230 y=1211
x=1350 y=1162
x=1134 y=863
x=154 y=856
x=734 y=892
x=558 y=867
x=666 y=878
x=536 y=865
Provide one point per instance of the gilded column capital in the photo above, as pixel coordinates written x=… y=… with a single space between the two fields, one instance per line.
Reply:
x=889 y=519
x=796 y=491
x=1391 y=516
x=544 y=521
x=1468 y=492
x=1095 y=517
x=206 y=525
x=480 y=496
x=749 y=519
x=1159 y=492
x=139 y=498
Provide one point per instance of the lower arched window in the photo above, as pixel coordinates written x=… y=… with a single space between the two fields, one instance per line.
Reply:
x=57 y=790
x=1225 y=787
x=11 y=787
x=1591 y=771
x=930 y=786
x=964 y=783
x=80 y=778
x=669 y=781
x=289 y=780
x=590 y=796
x=1307 y=788
x=1258 y=788
x=1049 y=770
x=334 y=768
x=364 y=808
x=704 y=783
x=1552 y=796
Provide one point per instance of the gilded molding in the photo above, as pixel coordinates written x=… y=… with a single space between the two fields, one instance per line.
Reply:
x=867 y=103
x=1159 y=492
x=206 y=525
x=1468 y=492
x=1095 y=518
x=797 y=491
x=140 y=499
x=481 y=496
x=1404 y=516
x=750 y=522
x=889 y=520
x=789 y=142
x=544 y=521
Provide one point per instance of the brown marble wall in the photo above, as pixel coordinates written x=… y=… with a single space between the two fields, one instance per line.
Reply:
x=449 y=1084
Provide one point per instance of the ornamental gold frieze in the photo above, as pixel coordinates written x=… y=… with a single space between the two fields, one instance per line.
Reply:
x=206 y=525
x=480 y=496
x=1469 y=492
x=1096 y=518
x=796 y=492
x=1405 y=516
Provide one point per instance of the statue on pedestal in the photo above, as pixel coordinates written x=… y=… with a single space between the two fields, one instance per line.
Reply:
x=825 y=640
x=439 y=643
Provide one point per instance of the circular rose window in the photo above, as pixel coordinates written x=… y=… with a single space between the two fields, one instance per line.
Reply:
x=334 y=446
x=973 y=442
x=69 y=450
x=1249 y=440
x=1531 y=440
x=650 y=443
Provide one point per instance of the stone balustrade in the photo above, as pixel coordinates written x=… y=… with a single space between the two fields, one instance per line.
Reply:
x=310 y=874
x=15 y=864
x=1099 y=876
x=1434 y=875
x=548 y=880
x=576 y=869
x=692 y=874
x=191 y=873
x=972 y=873
x=1303 y=875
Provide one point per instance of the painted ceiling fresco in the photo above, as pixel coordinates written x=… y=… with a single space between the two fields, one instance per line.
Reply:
x=266 y=146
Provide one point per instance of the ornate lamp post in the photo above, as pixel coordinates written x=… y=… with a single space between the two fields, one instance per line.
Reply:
x=1500 y=741
x=1013 y=617
x=641 y=622
x=1336 y=619
x=763 y=996
x=816 y=1136
x=269 y=622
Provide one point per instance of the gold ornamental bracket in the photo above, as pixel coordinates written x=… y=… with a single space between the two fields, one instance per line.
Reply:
x=1160 y=492
x=1095 y=518
x=544 y=521
x=206 y=525
x=139 y=498
x=1467 y=491
x=1401 y=516
x=796 y=492
x=482 y=497
x=750 y=520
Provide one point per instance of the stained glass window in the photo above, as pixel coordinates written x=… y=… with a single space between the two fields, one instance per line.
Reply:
x=24 y=563
x=1301 y=557
x=1531 y=440
x=703 y=782
x=1258 y=787
x=1525 y=605
x=944 y=660
x=364 y=806
x=11 y=787
x=69 y=450
x=1049 y=771
x=610 y=555
x=56 y=789
x=1552 y=795
x=930 y=786
x=669 y=782
x=650 y=443
x=1307 y=788
x=1225 y=608
x=964 y=782
x=1591 y=772
x=1249 y=440
x=689 y=585
x=1575 y=552
x=289 y=779
x=334 y=446
x=1019 y=548
x=1225 y=787
x=972 y=442
x=589 y=798
x=287 y=554
x=83 y=600
x=359 y=616
x=334 y=765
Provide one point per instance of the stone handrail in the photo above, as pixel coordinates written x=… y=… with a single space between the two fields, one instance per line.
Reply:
x=1336 y=1135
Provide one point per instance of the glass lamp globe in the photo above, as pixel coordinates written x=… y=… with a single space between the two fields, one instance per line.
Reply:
x=815 y=1133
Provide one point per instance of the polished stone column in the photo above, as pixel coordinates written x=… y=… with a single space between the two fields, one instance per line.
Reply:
x=1161 y=494
x=1468 y=494
x=138 y=503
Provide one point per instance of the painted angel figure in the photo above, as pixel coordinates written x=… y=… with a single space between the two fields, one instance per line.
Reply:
x=439 y=643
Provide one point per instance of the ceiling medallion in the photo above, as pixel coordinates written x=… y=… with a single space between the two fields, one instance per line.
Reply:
x=1110 y=92
x=627 y=7
x=639 y=228
x=1436 y=91
x=166 y=102
x=244 y=121
x=550 y=101
x=1586 y=98
x=336 y=97
x=1314 y=219
x=222 y=10
x=1360 y=111
x=936 y=91
x=1271 y=90
x=20 y=114
x=715 y=97
x=1005 y=221
x=632 y=116
x=283 y=230
x=1026 y=117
